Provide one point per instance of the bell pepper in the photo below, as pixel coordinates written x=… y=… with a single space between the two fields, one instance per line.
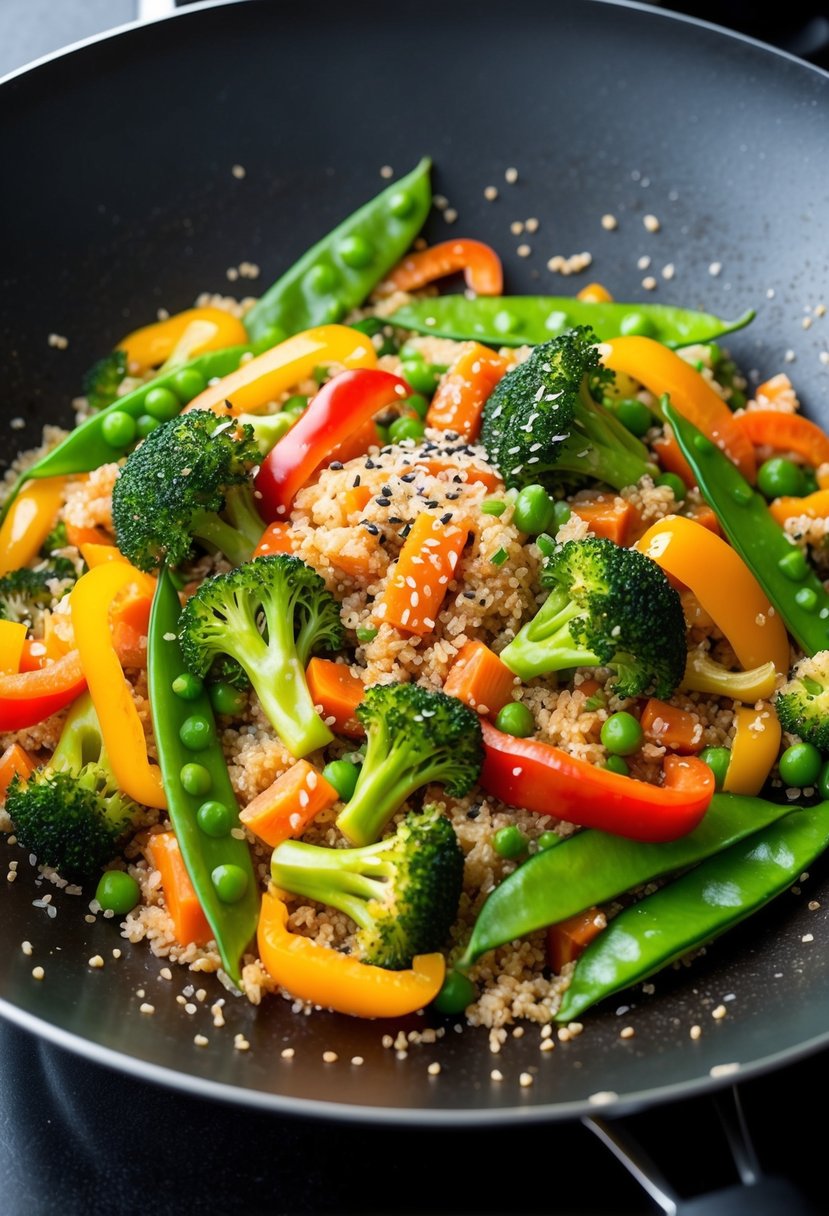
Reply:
x=813 y=506
x=724 y=586
x=341 y=982
x=12 y=641
x=786 y=432
x=90 y=601
x=339 y=408
x=544 y=779
x=480 y=264
x=180 y=338
x=753 y=750
x=661 y=371
x=31 y=696
x=28 y=521
x=261 y=380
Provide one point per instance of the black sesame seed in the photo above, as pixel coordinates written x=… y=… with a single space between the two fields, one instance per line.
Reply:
x=395 y=519
x=469 y=595
x=404 y=532
x=444 y=519
x=408 y=477
x=433 y=502
x=369 y=463
x=383 y=502
x=372 y=529
x=336 y=464
x=356 y=480
x=387 y=491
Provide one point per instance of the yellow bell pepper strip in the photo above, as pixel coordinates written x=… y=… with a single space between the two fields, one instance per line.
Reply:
x=100 y=555
x=181 y=337
x=90 y=602
x=724 y=586
x=341 y=982
x=702 y=674
x=261 y=380
x=28 y=522
x=754 y=749
x=813 y=506
x=663 y=371
x=12 y=637
x=595 y=293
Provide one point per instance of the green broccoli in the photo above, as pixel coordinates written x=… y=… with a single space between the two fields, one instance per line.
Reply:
x=267 y=429
x=176 y=483
x=541 y=424
x=25 y=593
x=414 y=736
x=608 y=607
x=402 y=892
x=270 y=615
x=70 y=813
x=57 y=539
x=802 y=703
x=100 y=384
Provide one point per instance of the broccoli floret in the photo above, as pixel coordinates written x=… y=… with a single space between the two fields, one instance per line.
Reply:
x=100 y=384
x=414 y=736
x=25 y=593
x=269 y=615
x=175 y=484
x=71 y=814
x=608 y=607
x=267 y=429
x=57 y=539
x=402 y=892
x=802 y=703
x=541 y=424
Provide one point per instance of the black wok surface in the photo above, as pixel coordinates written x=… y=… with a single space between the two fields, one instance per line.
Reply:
x=121 y=199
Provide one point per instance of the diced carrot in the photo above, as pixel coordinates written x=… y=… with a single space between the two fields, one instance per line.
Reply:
x=480 y=679
x=458 y=403
x=338 y=692
x=673 y=728
x=785 y=433
x=486 y=477
x=707 y=517
x=189 y=921
x=355 y=499
x=589 y=687
x=287 y=806
x=815 y=506
x=416 y=586
x=570 y=938
x=12 y=642
x=671 y=460
x=87 y=536
x=277 y=538
x=15 y=762
x=357 y=444
x=775 y=388
x=610 y=518
x=357 y=565
x=595 y=293
x=130 y=644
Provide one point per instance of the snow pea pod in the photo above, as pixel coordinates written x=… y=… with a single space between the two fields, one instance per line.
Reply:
x=530 y=320
x=341 y=270
x=200 y=799
x=594 y=867
x=779 y=566
x=696 y=908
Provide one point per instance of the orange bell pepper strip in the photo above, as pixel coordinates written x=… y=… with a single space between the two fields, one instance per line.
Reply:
x=263 y=379
x=753 y=750
x=289 y=804
x=87 y=536
x=32 y=696
x=90 y=601
x=15 y=762
x=785 y=433
x=416 y=587
x=181 y=337
x=463 y=390
x=28 y=522
x=813 y=506
x=332 y=686
x=663 y=371
x=189 y=920
x=480 y=264
x=480 y=679
x=12 y=642
x=724 y=586
x=341 y=982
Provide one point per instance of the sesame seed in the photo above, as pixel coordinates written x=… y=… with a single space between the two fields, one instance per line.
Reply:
x=38 y=973
x=668 y=271
x=490 y=193
x=330 y=1057
x=806 y=322
x=813 y=905
x=240 y=1043
x=496 y=1075
x=525 y=1080
x=511 y=176
x=433 y=1069
x=651 y=223
x=649 y=283
x=532 y=224
x=387 y=171
x=450 y=215
x=824 y=357
x=357 y=1061
x=516 y=227
x=238 y=171
x=548 y=1044
x=723 y=1070
x=165 y=973
x=116 y=953
x=26 y=947
x=644 y=262
x=609 y=222
x=200 y=1040
x=719 y=1013
x=96 y=961
x=695 y=1032
x=808 y=937
x=190 y=1008
x=524 y=251
x=627 y=1033
x=147 y=1009
x=287 y=1053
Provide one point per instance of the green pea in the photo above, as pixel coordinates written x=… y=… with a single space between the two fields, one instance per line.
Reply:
x=421 y=376
x=615 y=764
x=493 y=506
x=231 y=883
x=516 y=719
x=718 y=760
x=196 y=733
x=703 y=444
x=794 y=565
x=195 y=780
x=418 y=403
x=807 y=599
x=561 y=514
x=621 y=734
x=737 y=399
x=534 y=510
x=800 y=765
x=510 y=842
x=809 y=481
x=342 y=774
x=401 y=204
x=162 y=403
x=320 y=374
x=546 y=545
x=366 y=633
x=781 y=478
x=823 y=781
x=638 y=324
x=295 y=405
x=410 y=353
x=322 y=278
x=187 y=686
x=548 y=840
x=188 y=383
x=676 y=484
x=214 y=818
x=634 y=416
x=145 y=425
x=226 y=699
x=457 y=992
x=118 y=892
x=118 y=429
x=406 y=428
x=355 y=251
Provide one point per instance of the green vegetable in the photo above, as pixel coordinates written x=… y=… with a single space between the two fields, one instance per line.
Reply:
x=366 y=633
x=778 y=477
x=493 y=506
x=118 y=892
x=162 y=403
x=406 y=428
x=621 y=734
x=71 y=814
x=402 y=892
x=548 y=840
x=802 y=703
x=633 y=415
x=510 y=842
x=145 y=425
x=423 y=377
x=531 y=320
x=800 y=765
x=418 y=403
x=616 y=764
x=25 y=593
x=228 y=896
x=187 y=686
x=499 y=557
x=119 y=430
x=782 y=571
x=718 y=760
x=542 y=425
x=823 y=781
x=226 y=699
x=516 y=719
x=696 y=908
x=457 y=992
x=189 y=481
x=608 y=606
x=298 y=615
x=342 y=774
x=197 y=732
x=339 y=272
x=295 y=406
x=534 y=511
x=676 y=484
x=100 y=384
x=415 y=737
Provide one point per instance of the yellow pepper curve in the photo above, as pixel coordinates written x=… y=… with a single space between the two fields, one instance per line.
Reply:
x=184 y=336
x=29 y=521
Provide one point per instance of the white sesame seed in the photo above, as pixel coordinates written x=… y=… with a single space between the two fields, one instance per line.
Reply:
x=200 y=1040
x=190 y=1008
x=723 y=1070
x=651 y=223
x=238 y=171
x=548 y=1044
x=96 y=962
x=813 y=905
x=524 y=251
x=668 y=271
x=808 y=937
x=644 y=262
x=240 y=1043
x=357 y=1061
x=330 y=1057
x=824 y=357
x=525 y=1080
x=450 y=215
x=649 y=283
x=26 y=947
x=287 y=1053
x=627 y=1033
x=147 y=1009
x=433 y=1069
x=511 y=176
x=609 y=222
x=496 y=1075
x=719 y=1013
x=387 y=171
x=516 y=227
x=695 y=1032
x=490 y=193
x=165 y=973
x=532 y=224
x=38 y=973
x=806 y=322
x=603 y=1098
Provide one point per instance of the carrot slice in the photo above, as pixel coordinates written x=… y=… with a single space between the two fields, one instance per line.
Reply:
x=473 y=472
x=277 y=538
x=15 y=762
x=671 y=460
x=87 y=536
x=458 y=403
x=611 y=518
x=785 y=433
x=417 y=585
x=332 y=686
x=707 y=518
x=570 y=938
x=189 y=920
x=480 y=679
x=287 y=806
x=673 y=728
x=355 y=499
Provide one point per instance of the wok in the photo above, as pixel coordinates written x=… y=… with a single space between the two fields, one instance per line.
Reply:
x=119 y=197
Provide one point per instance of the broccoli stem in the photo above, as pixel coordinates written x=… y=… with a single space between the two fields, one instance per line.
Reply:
x=236 y=537
x=337 y=877
x=81 y=741
x=545 y=643
x=383 y=786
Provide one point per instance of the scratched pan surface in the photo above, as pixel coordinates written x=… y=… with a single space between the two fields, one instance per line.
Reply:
x=118 y=198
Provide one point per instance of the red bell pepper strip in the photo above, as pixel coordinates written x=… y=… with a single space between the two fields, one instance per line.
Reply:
x=544 y=779
x=29 y=697
x=480 y=264
x=339 y=408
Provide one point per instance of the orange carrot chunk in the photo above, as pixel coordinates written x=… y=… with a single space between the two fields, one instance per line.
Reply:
x=707 y=517
x=287 y=806
x=611 y=519
x=570 y=938
x=15 y=762
x=189 y=921
x=480 y=679
x=673 y=728
x=671 y=460
x=355 y=499
x=338 y=692
x=277 y=538
x=473 y=472
x=417 y=585
x=458 y=403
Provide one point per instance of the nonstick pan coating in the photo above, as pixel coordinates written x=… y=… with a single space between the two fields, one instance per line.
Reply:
x=119 y=197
